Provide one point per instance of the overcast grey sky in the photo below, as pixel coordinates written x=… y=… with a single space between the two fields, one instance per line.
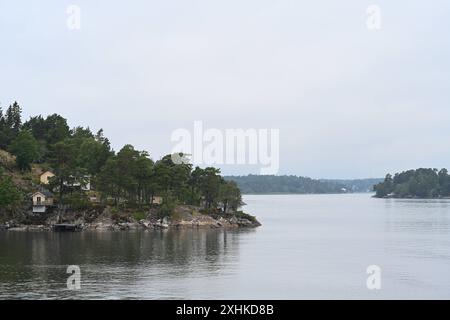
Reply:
x=349 y=102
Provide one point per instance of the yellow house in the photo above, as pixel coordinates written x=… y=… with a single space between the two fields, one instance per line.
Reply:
x=157 y=200
x=46 y=176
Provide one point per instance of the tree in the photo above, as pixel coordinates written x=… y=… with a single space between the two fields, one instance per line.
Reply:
x=384 y=188
x=444 y=183
x=92 y=155
x=37 y=126
x=230 y=196
x=128 y=175
x=10 y=196
x=3 y=135
x=56 y=129
x=13 y=118
x=143 y=169
x=25 y=148
x=419 y=183
x=126 y=168
x=108 y=180
x=194 y=184
x=180 y=175
x=65 y=169
x=10 y=124
x=79 y=135
x=173 y=178
x=209 y=186
x=47 y=132
x=267 y=184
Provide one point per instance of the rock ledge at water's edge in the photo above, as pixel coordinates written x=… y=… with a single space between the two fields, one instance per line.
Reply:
x=184 y=216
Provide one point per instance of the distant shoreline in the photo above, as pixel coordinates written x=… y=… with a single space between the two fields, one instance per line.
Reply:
x=284 y=184
x=412 y=198
x=306 y=194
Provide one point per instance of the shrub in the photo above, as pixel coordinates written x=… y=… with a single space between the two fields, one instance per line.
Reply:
x=139 y=216
x=10 y=196
x=243 y=215
x=166 y=209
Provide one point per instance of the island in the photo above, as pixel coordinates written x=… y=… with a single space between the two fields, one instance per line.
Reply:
x=56 y=178
x=419 y=183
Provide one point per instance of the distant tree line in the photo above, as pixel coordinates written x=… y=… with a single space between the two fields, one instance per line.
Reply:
x=290 y=184
x=128 y=177
x=356 y=185
x=271 y=184
x=419 y=183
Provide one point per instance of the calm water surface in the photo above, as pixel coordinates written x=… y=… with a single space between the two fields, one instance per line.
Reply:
x=310 y=246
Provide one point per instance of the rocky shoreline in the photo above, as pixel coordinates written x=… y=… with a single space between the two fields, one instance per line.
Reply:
x=184 y=217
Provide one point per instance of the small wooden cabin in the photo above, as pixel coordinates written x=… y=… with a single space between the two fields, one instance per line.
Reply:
x=42 y=200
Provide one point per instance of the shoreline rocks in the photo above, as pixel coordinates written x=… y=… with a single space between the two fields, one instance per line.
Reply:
x=184 y=217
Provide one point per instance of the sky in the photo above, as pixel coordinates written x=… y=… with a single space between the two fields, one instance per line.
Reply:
x=349 y=101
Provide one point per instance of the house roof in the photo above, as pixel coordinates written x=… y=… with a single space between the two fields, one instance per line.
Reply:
x=45 y=193
x=48 y=171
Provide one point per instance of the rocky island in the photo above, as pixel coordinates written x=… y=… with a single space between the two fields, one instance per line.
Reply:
x=56 y=178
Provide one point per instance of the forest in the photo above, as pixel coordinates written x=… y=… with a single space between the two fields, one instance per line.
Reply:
x=77 y=156
x=419 y=183
x=271 y=184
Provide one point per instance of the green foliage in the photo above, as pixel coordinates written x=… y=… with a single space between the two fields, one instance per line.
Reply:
x=10 y=196
x=385 y=188
x=63 y=162
x=47 y=132
x=10 y=124
x=139 y=215
x=37 y=126
x=167 y=207
x=209 y=183
x=56 y=129
x=77 y=201
x=129 y=179
x=171 y=177
x=127 y=175
x=92 y=155
x=420 y=183
x=243 y=215
x=25 y=148
x=230 y=196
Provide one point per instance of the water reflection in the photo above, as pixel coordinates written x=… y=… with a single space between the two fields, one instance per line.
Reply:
x=33 y=265
x=310 y=246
